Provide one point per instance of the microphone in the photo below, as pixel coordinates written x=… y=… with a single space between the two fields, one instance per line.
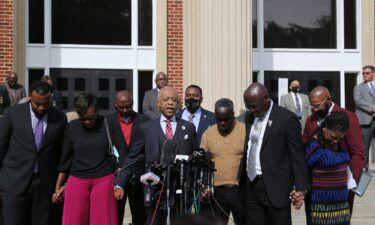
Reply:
x=199 y=153
x=150 y=178
x=182 y=158
x=168 y=152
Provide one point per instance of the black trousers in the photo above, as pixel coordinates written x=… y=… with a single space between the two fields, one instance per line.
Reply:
x=259 y=210
x=229 y=202
x=135 y=195
x=33 y=207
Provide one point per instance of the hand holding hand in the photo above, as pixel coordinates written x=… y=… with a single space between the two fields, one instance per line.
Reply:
x=119 y=193
x=58 y=196
x=297 y=198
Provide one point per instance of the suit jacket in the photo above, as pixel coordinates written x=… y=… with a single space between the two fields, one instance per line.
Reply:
x=150 y=107
x=118 y=138
x=57 y=99
x=281 y=156
x=149 y=142
x=352 y=141
x=19 y=93
x=18 y=153
x=363 y=102
x=207 y=119
x=287 y=101
x=4 y=99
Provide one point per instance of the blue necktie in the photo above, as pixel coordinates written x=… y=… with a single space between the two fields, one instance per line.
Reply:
x=372 y=89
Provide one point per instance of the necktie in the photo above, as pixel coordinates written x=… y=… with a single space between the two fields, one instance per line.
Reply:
x=372 y=89
x=191 y=117
x=298 y=106
x=254 y=137
x=38 y=134
x=168 y=130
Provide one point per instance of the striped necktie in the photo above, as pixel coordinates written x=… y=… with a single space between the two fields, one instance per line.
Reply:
x=168 y=130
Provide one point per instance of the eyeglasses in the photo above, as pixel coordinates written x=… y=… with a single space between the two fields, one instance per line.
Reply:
x=366 y=73
x=318 y=106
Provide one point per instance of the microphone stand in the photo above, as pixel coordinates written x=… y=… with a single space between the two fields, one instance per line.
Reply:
x=168 y=193
x=181 y=186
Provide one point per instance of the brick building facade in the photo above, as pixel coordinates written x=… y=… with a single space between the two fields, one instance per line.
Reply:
x=6 y=38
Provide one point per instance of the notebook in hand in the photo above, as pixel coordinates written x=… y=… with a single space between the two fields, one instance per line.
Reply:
x=362 y=184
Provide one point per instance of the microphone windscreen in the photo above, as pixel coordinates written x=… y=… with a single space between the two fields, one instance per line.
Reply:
x=208 y=156
x=168 y=152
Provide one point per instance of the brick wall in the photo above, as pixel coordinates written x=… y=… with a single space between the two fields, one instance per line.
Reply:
x=6 y=38
x=175 y=43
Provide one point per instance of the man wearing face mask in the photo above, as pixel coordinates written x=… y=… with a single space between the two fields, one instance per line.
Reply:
x=122 y=127
x=296 y=102
x=193 y=112
x=225 y=141
x=322 y=106
x=30 y=148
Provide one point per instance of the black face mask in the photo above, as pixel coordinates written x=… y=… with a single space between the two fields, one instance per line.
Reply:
x=323 y=112
x=295 y=89
x=192 y=104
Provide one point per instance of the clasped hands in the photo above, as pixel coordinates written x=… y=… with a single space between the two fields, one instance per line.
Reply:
x=297 y=198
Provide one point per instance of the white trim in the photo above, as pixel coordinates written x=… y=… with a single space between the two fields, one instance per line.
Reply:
x=135 y=90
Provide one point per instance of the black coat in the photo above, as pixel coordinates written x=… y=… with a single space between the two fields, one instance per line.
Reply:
x=18 y=153
x=281 y=156
x=149 y=142
x=4 y=99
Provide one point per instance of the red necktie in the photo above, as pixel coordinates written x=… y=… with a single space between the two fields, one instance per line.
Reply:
x=168 y=130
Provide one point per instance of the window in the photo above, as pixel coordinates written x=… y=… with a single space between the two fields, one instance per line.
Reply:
x=145 y=84
x=308 y=80
x=350 y=82
x=350 y=28
x=255 y=23
x=35 y=75
x=94 y=22
x=300 y=24
x=145 y=22
x=36 y=21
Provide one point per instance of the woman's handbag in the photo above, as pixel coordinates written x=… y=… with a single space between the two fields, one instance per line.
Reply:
x=113 y=153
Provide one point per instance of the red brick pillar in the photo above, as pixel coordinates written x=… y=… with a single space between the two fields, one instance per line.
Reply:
x=6 y=38
x=175 y=43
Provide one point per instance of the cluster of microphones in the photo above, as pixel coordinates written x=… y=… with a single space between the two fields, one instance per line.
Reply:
x=183 y=177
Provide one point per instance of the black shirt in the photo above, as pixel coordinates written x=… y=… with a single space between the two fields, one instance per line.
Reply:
x=85 y=151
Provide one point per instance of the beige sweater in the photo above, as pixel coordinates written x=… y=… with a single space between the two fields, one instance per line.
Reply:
x=226 y=152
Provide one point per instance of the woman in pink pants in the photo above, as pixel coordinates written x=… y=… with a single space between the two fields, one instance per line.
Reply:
x=88 y=193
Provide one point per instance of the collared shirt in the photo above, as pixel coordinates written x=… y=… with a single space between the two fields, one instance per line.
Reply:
x=300 y=100
x=126 y=128
x=369 y=84
x=163 y=123
x=197 y=117
x=258 y=168
x=34 y=120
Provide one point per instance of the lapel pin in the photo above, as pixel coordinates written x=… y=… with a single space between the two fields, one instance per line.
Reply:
x=186 y=137
x=269 y=123
x=183 y=127
x=204 y=116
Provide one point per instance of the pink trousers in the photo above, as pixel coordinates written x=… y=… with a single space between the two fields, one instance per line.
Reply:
x=90 y=201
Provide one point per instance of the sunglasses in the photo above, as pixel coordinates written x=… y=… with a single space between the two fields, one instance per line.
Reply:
x=366 y=73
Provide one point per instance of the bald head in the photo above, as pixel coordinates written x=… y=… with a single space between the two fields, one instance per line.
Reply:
x=320 y=100
x=256 y=99
x=12 y=79
x=161 y=80
x=167 y=101
x=124 y=104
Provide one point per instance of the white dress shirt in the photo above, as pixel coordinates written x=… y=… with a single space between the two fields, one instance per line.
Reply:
x=197 y=117
x=299 y=98
x=258 y=168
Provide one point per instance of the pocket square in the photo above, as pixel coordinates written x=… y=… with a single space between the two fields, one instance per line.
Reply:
x=186 y=137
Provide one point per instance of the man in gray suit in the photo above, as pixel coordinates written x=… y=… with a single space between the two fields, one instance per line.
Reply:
x=150 y=108
x=15 y=90
x=364 y=97
x=296 y=102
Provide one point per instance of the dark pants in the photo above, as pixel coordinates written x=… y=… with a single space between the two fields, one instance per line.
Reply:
x=260 y=211
x=367 y=135
x=33 y=207
x=135 y=195
x=229 y=201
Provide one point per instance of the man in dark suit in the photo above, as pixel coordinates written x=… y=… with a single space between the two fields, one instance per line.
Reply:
x=273 y=160
x=30 y=147
x=150 y=107
x=201 y=118
x=4 y=100
x=123 y=125
x=150 y=138
x=322 y=106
